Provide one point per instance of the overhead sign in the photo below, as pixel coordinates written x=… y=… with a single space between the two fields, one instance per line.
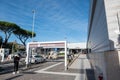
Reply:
x=48 y=45
x=54 y=44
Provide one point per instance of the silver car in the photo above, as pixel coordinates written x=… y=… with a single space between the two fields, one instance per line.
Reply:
x=37 y=59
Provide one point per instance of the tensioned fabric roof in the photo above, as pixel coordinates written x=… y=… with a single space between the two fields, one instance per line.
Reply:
x=58 y=44
x=76 y=45
x=53 y=44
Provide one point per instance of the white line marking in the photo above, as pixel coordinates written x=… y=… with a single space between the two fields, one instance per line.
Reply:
x=58 y=73
x=49 y=67
x=78 y=76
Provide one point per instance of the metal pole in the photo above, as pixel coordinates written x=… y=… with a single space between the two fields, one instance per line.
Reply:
x=33 y=23
x=118 y=21
x=65 y=55
x=28 y=55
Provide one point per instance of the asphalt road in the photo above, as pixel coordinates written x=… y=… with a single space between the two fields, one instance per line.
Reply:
x=8 y=67
x=42 y=74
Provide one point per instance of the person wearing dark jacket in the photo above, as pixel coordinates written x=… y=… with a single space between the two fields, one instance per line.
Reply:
x=16 y=59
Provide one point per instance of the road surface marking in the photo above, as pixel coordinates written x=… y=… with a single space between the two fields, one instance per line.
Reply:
x=49 y=67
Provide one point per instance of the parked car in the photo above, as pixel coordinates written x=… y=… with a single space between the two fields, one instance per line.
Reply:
x=37 y=59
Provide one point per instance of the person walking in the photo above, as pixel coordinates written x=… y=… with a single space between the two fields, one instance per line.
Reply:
x=16 y=59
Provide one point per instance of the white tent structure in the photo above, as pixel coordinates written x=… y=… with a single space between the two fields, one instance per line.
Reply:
x=52 y=44
x=77 y=45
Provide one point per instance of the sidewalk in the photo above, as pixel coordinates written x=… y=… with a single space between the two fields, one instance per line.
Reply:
x=82 y=64
x=80 y=69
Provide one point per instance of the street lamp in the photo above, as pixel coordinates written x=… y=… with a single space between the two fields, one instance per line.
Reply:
x=28 y=56
x=33 y=11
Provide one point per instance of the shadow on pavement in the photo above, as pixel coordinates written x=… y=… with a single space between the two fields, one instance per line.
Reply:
x=80 y=71
x=4 y=72
x=9 y=69
x=13 y=77
x=90 y=74
x=28 y=72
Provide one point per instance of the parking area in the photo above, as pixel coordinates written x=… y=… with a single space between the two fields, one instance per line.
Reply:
x=39 y=72
x=52 y=70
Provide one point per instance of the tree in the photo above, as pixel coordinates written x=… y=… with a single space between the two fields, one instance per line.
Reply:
x=23 y=35
x=1 y=41
x=7 y=28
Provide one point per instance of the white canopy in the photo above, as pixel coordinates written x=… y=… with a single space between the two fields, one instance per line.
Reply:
x=76 y=45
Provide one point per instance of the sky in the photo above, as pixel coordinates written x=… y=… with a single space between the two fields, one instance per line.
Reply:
x=55 y=20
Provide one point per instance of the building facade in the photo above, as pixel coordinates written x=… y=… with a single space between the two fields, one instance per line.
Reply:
x=104 y=38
